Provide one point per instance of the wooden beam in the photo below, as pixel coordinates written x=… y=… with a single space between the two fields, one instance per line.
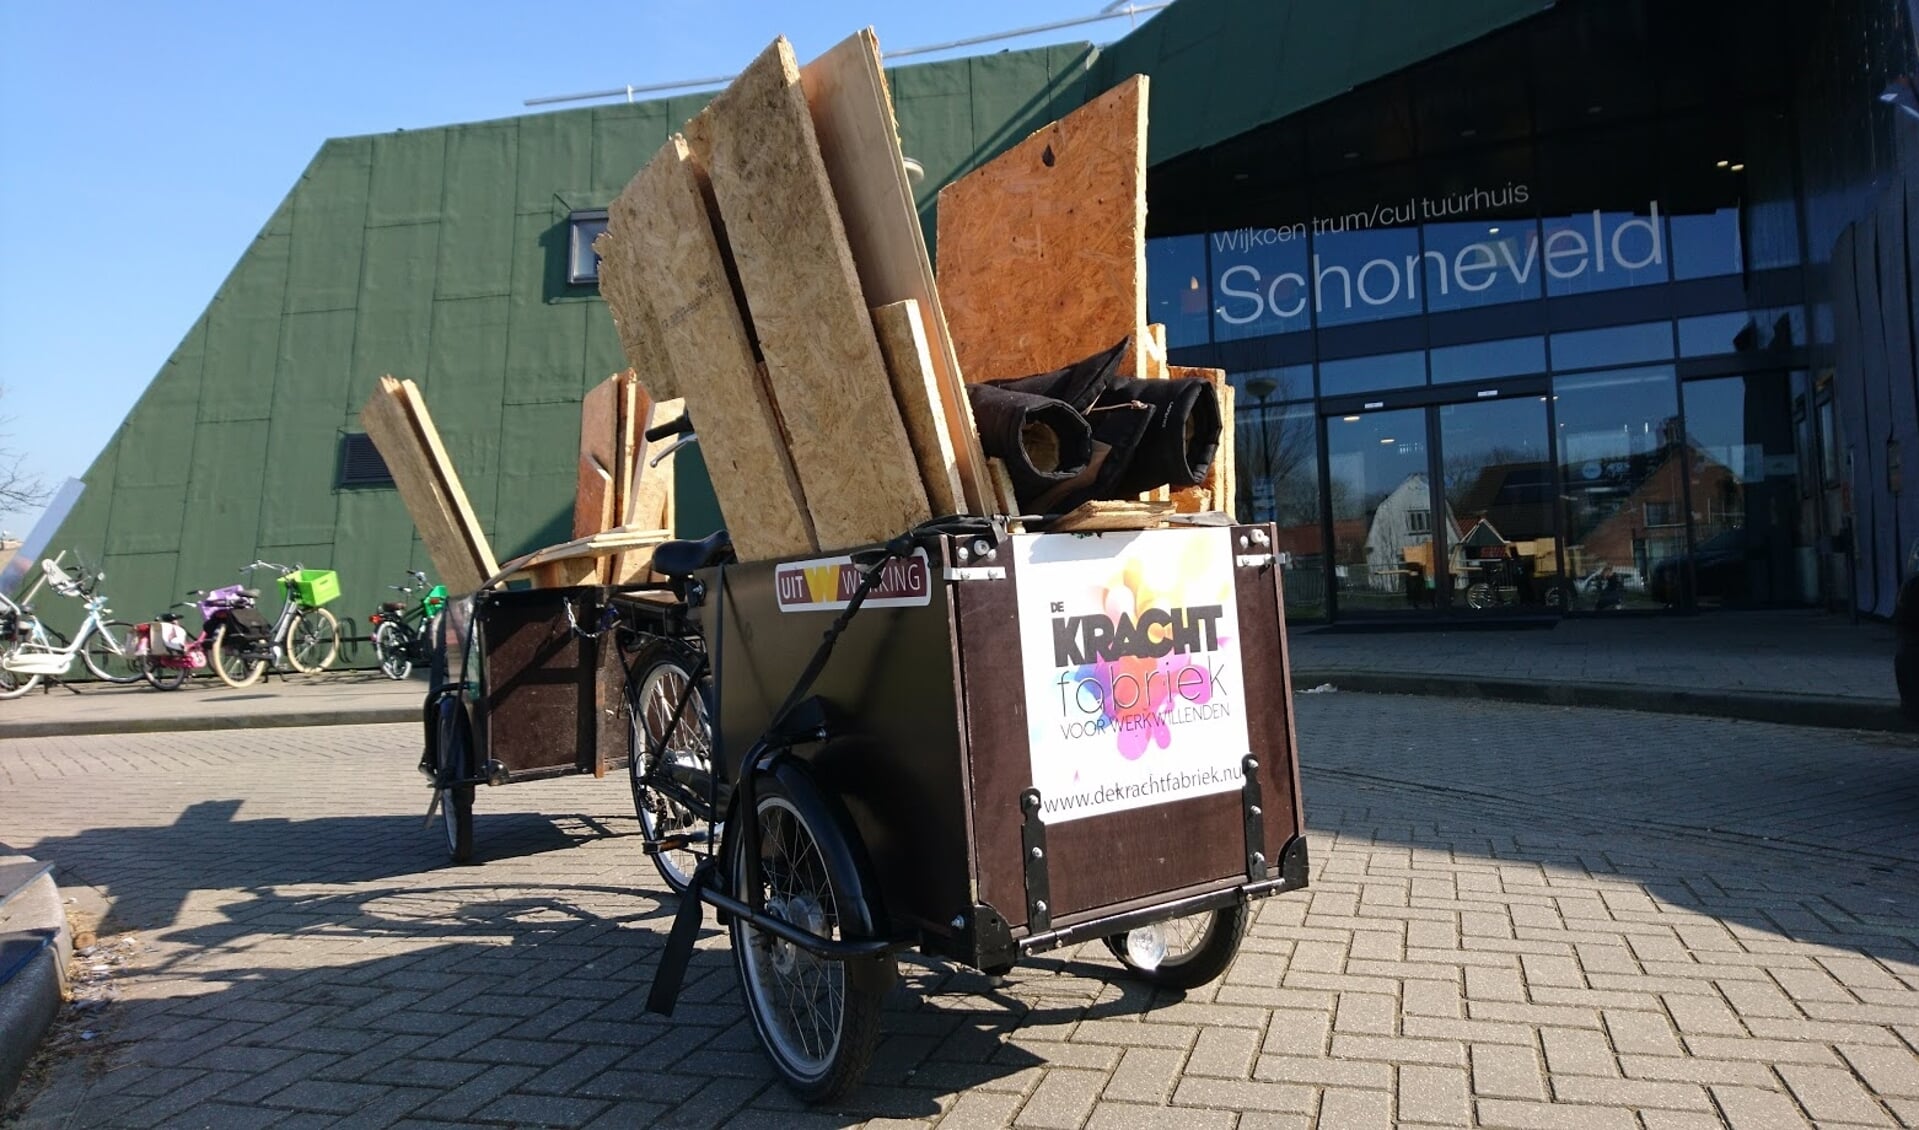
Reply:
x=815 y=332
x=1006 y=501
x=1113 y=515
x=909 y=362
x=663 y=242
x=604 y=544
x=859 y=143
x=449 y=479
x=389 y=425
x=1042 y=251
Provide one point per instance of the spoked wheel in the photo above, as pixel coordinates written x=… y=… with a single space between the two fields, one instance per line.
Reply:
x=161 y=675
x=818 y=1019
x=109 y=653
x=1183 y=953
x=232 y=662
x=313 y=641
x=390 y=644
x=12 y=683
x=685 y=759
x=453 y=743
x=1480 y=595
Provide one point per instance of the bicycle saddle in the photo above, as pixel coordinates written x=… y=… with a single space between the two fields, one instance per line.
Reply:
x=684 y=558
x=393 y=606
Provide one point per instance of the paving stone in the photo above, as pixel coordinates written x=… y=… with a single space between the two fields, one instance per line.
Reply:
x=1889 y=1071
x=1831 y=1094
x=1434 y=1094
x=1630 y=1093
x=1746 y=1108
x=1233 y=1094
x=1145 y=1075
x=541 y=1110
x=1576 y=1051
x=1131 y=1116
x=1507 y=1072
x=1355 y=1109
x=1546 y=1116
x=1063 y=1100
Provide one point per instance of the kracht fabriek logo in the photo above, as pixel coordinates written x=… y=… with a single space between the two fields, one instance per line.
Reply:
x=1131 y=662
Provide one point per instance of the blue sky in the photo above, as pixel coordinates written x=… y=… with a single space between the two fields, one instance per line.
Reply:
x=143 y=145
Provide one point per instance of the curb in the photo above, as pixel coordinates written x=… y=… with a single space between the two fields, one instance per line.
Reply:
x=31 y=992
x=1824 y=712
x=79 y=727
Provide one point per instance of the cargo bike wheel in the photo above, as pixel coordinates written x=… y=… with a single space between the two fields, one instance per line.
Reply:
x=817 y=1018
x=670 y=759
x=1183 y=953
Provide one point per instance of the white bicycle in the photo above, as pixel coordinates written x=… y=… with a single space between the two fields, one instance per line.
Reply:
x=31 y=651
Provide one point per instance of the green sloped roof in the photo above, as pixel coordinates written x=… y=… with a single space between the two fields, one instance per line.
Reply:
x=1222 y=67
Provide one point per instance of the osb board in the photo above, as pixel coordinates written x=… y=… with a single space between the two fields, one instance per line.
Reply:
x=1153 y=353
x=449 y=479
x=844 y=433
x=909 y=361
x=662 y=238
x=859 y=143
x=650 y=505
x=593 y=499
x=633 y=404
x=1192 y=500
x=1008 y=501
x=621 y=285
x=1111 y=515
x=599 y=418
x=386 y=421
x=1221 y=481
x=1042 y=251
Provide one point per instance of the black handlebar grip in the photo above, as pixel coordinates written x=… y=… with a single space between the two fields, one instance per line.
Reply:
x=670 y=428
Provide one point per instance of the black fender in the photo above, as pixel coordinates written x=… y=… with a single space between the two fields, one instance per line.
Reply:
x=847 y=863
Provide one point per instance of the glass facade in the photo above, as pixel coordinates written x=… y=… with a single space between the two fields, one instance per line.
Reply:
x=1517 y=344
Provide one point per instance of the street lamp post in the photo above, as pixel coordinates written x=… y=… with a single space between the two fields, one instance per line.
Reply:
x=1262 y=388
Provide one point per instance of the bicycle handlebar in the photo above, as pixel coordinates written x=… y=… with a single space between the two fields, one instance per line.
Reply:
x=670 y=428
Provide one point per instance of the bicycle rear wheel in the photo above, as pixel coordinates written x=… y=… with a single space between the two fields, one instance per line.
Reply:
x=314 y=641
x=683 y=764
x=13 y=684
x=109 y=653
x=162 y=676
x=390 y=648
x=233 y=662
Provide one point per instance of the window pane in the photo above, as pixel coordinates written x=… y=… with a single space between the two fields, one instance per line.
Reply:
x=1370 y=374
x=1276 y=385
x=1712 y=334
x=1615 y=345
x=1260 y=282
x=1744 y=490
x=1513 y=357
x=1362 y=276
x=1176 y=291
x=1598 y=251
x=583 y=263
x=1706 y=245
x=1277 y=448
x=1480 y=264
x=1622 y=467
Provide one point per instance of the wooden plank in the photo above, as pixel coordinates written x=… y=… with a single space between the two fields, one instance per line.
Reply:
x=633 y=403
x=604 y=544
x=815 y=332
x=1007 y=502
x=449 y=479
x=599 y=418
x=859 y=142
x=662 y=240
x=651 y=503
x=909 y=361
x=389 y=425
x=1042 y=251
x=593 y=504
x=566 y=573
x=1153 y=353
x=622 y=285
x=1114 y=515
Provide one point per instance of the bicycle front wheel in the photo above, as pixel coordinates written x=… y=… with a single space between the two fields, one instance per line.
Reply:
x=109 y=653
x=390 y=646
x=232 y=663
x=314 y=641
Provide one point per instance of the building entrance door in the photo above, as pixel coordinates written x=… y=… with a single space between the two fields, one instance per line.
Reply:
x=1445 y=508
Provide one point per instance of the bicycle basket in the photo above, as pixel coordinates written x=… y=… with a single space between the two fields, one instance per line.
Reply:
x=313 y=587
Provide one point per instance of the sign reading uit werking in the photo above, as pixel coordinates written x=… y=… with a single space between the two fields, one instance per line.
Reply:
x=828 y=583
x=1130 y=656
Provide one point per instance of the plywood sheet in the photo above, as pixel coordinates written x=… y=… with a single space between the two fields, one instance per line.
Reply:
x=599 y=417
x=1042 y=251
x=909 y=361
x=859 y=142
x=662 y=238
x=622 y=279
x=593 y=500
x=848 y=445
x=650 y=506
x=386 y=421
x=449 y=479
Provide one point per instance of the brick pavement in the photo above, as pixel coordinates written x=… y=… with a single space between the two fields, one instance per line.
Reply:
x=1520 y=916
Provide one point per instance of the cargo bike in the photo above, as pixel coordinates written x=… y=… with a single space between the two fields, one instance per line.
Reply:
x=977 y=743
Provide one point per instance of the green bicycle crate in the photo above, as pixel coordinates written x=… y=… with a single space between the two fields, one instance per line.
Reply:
x=313 y=587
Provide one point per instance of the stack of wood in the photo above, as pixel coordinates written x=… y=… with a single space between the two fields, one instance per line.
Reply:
x=768 y=266
x=620 y=502
x=396 y=419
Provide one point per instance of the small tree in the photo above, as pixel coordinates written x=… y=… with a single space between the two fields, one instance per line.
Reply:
x=19 y=488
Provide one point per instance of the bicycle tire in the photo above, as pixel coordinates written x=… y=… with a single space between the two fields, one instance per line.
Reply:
x=665 y=668
x=14 y=684
x=1200 y=957
x=162 y=677
x=309 y=630
x=111 y=644
x=817 y=1019
x=235 y=671
x=392 y=648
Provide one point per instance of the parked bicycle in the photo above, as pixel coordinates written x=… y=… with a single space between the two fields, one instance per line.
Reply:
x=400 y=634
x=34 y=651
x=305 y=636
x=168 y=654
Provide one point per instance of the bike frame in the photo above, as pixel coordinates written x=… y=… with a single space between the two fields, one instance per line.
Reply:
x=39 y=648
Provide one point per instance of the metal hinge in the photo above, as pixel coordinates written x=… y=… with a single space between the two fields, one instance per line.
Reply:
x=975 y=573
x=1254 y=560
